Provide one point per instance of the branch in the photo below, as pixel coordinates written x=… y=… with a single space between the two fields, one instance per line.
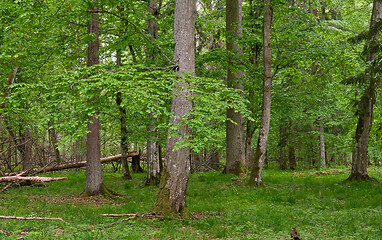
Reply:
x=138 y=30
x=30 y=218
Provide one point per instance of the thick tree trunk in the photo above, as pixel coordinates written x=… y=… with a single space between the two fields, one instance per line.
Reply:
x=258 y=163
x=171 y=198
x=235 y=132
x=94 y=181
x=153 y=161
x=365 y=108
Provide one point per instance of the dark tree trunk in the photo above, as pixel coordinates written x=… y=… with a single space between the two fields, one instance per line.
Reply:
x=136 y=165
x=292 y=158
x=122 y=120
x=235 y=133
x=258 y=163
x=171 y=198
x=365 y=108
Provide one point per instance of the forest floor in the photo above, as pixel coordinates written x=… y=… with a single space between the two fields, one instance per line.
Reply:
x=319 y=206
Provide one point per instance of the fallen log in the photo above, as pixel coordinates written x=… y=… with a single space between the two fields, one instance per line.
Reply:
x=83 y=163
x=28 y=178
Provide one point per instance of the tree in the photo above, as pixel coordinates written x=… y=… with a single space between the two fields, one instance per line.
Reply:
x=94 y=181
x=171 y=197
x=261 y=148
x=153 y=150
x=235 y=134
x=366 y=104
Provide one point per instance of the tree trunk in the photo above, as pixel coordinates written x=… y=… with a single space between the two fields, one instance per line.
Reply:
x=322 y=145
x=123 y=142
x=261 y=148
x=122 y=120
x=365 y=108
x=94 y=181
x=28 y=153
x=235 y=133
x=171 y=198
x=153 y=162
x=136 y=165
x=54 y=142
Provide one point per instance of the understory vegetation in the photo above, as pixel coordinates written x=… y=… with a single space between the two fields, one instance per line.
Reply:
x=320 y=205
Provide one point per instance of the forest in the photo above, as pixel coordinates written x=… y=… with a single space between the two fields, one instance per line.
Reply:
x=190 y=119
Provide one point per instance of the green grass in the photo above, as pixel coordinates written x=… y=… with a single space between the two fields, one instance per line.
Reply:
x=320 y=207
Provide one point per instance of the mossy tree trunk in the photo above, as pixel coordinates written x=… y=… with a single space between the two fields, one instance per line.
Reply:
x=259 y=157
x=235 y=132
x=365 y=107
x=171 y=198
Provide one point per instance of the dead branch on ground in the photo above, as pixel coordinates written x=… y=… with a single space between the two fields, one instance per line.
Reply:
x=30 y=218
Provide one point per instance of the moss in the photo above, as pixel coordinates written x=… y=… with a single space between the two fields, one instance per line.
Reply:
x=104 y=190
x=359 y=177
x=127 y=176
x=163 y=206
x=238 y=169
x=153 y=180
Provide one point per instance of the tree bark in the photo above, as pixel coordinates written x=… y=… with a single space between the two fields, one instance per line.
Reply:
x=124 y=144
x=258 y=163
x=54 y=142
x=235 y=132
x=171 y=198
x=153 y=161
x=122 y=118
x=322 y=145
x=94 y=181
x=365 y=108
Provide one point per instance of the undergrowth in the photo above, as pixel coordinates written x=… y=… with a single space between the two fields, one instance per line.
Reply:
x=318 y=206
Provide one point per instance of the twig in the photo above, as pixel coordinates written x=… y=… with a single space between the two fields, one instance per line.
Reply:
x=6 y=187
x=30 y=218
x=131 y=217
x=123 y=220
x=118 y=215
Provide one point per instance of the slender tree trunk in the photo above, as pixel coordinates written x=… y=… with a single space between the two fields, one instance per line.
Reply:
x=171 y=198
x=235 y=133
x=28 y=153
x=94 y=181
x=123 y=142
x=153 y=162
x=322 y=145
x=122 y=120
x=54 y=142
x=258 y=163
x=365 y=108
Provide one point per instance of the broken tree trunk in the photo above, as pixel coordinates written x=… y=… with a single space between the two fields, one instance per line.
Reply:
x=28 y=178
x=83 y=163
